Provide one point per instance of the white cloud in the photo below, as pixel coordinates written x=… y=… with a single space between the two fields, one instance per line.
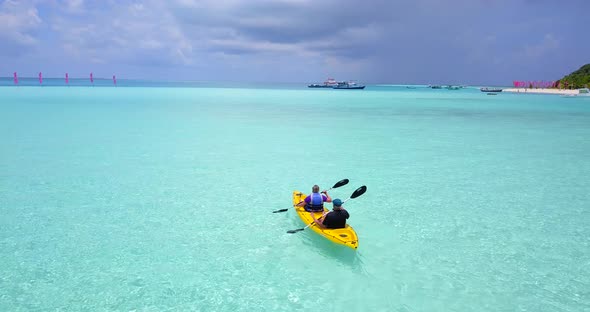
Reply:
x=18 y=19
x=74 y=6
x=127 y=33
x=248 y=46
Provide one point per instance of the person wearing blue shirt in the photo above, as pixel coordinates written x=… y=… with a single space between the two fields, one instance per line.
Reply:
x=314 y=202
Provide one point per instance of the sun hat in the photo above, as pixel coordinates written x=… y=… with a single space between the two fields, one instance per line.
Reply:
x=337 y=202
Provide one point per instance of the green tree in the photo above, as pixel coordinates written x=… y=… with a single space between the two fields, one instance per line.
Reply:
x=579 y=78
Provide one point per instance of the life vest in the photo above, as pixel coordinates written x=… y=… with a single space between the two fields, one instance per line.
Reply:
x=316 y=202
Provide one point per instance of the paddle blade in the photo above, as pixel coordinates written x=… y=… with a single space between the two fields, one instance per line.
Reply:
x=358 y=192
x=340 y=183
x=280 y=210
x=295 y=231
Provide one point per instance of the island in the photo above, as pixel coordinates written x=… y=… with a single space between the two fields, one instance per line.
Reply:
x=573 y=84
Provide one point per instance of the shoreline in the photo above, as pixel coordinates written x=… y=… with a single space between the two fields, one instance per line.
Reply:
x=541 y=91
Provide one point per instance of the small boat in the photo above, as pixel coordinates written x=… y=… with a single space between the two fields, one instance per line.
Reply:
x=490 y=89
x=453 y=87
x=436 y=87
x=410 y=87
x=350 y=85
x=346 y=236
x=329 y=83
x=583 y=92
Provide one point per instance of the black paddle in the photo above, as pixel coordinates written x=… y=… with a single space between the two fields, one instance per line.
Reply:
x=358 y=192
x=338 y=184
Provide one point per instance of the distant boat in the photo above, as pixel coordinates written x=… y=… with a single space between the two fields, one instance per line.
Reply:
x=350 y=85
x=410 y=87
x=329 y=83
x=581 y=92
x=490 y=89
x=453 y=87
x=436 y=87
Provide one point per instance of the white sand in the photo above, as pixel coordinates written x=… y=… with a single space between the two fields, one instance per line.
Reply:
x=541 y=91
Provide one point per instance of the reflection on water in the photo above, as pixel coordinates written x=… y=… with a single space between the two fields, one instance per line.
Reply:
x=331 y=251
x=342 y=255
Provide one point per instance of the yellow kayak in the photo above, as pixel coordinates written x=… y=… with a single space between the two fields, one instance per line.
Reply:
x=346 y=236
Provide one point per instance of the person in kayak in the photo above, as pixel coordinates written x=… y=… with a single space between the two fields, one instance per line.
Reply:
x=315 y=201
x=335 y=219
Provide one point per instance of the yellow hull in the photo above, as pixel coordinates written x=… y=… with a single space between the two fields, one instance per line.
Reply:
x=346 y=236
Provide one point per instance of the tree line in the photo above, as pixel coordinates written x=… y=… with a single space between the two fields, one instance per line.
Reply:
x=578 y=79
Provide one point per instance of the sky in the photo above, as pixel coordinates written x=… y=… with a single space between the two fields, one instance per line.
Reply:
x=374 y=41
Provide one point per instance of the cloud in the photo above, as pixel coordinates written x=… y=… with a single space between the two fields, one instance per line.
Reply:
x=275 y=21
x=382 y=40
x=74 y=6
x=20 y=20
x=138 y=33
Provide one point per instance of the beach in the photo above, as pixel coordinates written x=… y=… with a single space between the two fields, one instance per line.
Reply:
x=542 y=91
x=140 y=198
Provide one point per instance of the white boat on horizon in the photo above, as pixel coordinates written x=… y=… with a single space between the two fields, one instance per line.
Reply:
x=348 y=85
x=329 y=83
x=583 y=92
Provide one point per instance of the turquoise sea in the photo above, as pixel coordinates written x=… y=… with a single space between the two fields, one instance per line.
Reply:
x=158 y=197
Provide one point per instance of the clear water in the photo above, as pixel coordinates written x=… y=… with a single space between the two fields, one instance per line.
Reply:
x=157 y=199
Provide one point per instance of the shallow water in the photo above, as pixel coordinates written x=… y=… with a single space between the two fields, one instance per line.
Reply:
x=158 y=199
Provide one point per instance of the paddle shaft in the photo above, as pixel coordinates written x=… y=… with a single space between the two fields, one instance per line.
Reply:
x=338 y=184
x=323 y=215
x=312 y=222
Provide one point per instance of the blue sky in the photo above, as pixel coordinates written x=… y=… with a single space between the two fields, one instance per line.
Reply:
x=374 y=41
